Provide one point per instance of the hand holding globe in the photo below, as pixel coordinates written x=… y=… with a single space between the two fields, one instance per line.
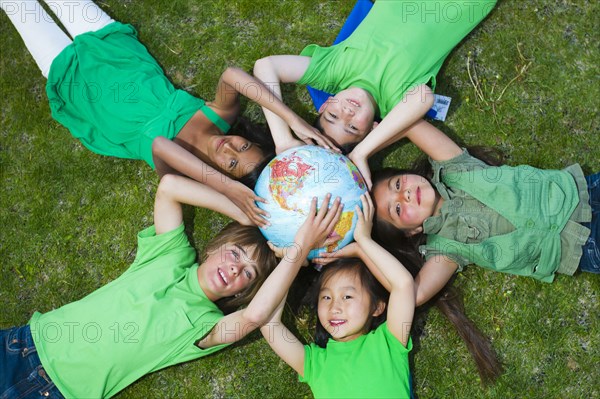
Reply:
x=293 y=178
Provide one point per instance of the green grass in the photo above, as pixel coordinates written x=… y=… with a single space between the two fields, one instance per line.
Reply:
x=69 y=217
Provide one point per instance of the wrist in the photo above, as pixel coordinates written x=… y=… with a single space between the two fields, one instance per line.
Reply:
x=290 y=117
x=298 y=251
x=361 y=240
x=227 y=187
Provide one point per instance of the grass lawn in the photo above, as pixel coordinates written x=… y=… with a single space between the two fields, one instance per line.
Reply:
x=526 y=80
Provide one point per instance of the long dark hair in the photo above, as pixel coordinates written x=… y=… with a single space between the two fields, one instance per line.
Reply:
x=450 y=304
x=376 y=292
x=258 y=134
x=449 y=301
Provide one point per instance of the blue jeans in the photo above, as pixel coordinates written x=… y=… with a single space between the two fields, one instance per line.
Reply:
x=590 y=260
x=21 y=372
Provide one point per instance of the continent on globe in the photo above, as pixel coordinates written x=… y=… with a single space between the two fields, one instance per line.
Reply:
x=287 y=177
x=355 y=173
x=293 y=178
x=341 y=229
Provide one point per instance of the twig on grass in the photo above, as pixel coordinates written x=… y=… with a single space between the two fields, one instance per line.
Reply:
x=520 y=71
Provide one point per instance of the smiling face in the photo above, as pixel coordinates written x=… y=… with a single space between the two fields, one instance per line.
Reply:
x=344 y=306
x=234 y=155
x=227 y=271
x=348 y=117
x=405 y=201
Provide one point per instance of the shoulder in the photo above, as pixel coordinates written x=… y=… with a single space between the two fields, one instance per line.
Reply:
x=321 y=66
x=464 y=162
x=310 y=50
x=174 y=243
x=383 y=333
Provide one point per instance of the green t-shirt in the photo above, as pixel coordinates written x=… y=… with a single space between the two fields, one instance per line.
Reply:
x=114 y=97
x=147 y=319
x=399 y=45
x=374 y=365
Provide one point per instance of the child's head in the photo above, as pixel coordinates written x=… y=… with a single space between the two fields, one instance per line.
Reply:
x=238 y=157
x=236 y=263
x=347 y=117
x=349 y=300
x=250 y=165
x=403 y=200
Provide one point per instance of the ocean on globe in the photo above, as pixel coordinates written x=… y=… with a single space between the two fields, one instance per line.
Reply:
x=293 y=178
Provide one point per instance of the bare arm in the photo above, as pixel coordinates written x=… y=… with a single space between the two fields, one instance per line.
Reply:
x=409 y=110
x=173 y=191
x=391 y=129
x=433 y=276
x=178 y=158
x=283 y=342
x=401 y=305
x=429 y=139
x=169 y=154
x=433 y=141
x=235 y=80
x=273 y=71
x=237 y=325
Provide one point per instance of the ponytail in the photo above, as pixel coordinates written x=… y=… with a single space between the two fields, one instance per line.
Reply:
x=450 y=304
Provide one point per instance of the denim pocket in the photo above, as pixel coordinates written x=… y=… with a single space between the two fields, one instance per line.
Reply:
x=590 y=261
x=18 y=340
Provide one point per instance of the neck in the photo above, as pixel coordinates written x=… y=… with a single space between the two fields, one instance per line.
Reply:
x=195 y=135
x=211 y=297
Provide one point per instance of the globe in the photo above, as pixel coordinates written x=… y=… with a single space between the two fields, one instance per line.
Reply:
x=293 y=178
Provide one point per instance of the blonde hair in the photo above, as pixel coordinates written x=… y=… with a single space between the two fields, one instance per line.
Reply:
x=245 y=236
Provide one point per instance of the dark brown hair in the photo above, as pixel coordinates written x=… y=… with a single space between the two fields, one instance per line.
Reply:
x=246 y=236
x=345 y=148
x=450 y=304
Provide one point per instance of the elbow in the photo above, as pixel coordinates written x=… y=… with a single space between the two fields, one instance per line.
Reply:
x=158 y=145
x=230 y=72
x=166 y=185
x=424 y=293
x=257 y=316
x=407 y=285
x=261 y=65
x=420 y=299
x=421 y=296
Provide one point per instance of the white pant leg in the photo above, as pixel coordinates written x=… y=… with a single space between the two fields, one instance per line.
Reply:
x=79 y=16
x=42 y=36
